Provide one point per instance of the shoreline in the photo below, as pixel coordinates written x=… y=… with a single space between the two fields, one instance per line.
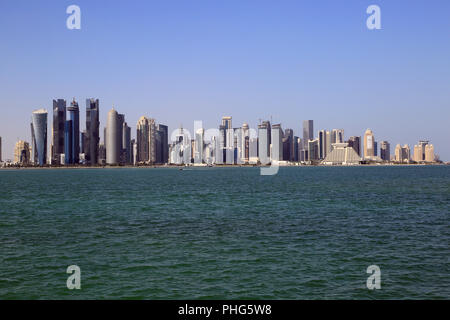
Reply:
x=181 y=167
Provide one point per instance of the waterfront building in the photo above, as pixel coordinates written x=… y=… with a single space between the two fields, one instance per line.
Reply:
x=162 y=154
x=245 y=147
x=134 y=154
x=72 y=146
x=385 y=151
x=369 y=147
x=313 y=150
x=264 y=142
x=253 y=150
x=22 y=153
x=355 y=143
x=296 y=141
x=1 y=149
x=59 y=122
x=227 y=139
x=419 y=151
x=199 y=146
x=402 y=154
x=375 y=148
x=142 y=139
x=92 y=135
x=342 y=154
x=288 y=145
x=322 y=137
x=152 y=141
x=276 y=154
x=308 y=132
x=429 y=153
x=180 y=149
x=39 y=136
x=101 y=154
x=126 y=144
x=337 y=136
x=113 y=138
x=68 y=137
x=83 y=143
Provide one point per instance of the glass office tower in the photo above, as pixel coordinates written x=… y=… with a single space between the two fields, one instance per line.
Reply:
x=39 y=136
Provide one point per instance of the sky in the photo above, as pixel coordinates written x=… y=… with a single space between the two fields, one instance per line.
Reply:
x=181 y=61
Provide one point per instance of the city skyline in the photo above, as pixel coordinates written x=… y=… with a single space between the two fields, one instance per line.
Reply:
x=226 y=145
x=180 y=63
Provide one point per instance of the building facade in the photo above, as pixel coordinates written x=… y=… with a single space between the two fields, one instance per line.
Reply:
x=369 y=146
x=39 y=136
x=385 y=151
x=113 y=138
x=92 y=135
x=277 y=143
x=264 y=142
x=59 y=122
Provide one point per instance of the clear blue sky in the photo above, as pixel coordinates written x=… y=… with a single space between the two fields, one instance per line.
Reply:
x=180 y=61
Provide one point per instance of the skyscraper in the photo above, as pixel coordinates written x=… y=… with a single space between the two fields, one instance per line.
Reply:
x=152 y=140
x=419 y=151
x=68 y=137
x=83 y=142
x=199 y=145
x=288 y=145
x=162 y=153
x=355 y=143
x=264 y=141
x=369 y=147
x=22 y=152
x=92 y=131
x=142 y=138
x=73 y=145
x=429 y=153
x=385 y=151
x=322 y=144
x=402 y=154
x=296 y=148
x=313 y=150
x=253 y=150
x=328 y=146
x=1 y=149
x=39 y=136
x=308 y=132
x=337 y=136
x=59 y=121
x=126 y=144
x=227 y=139
x=113 y=138
x=277 y=143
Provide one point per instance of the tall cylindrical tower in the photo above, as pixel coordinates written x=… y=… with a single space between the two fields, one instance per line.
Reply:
x=39 y=135
x=113 y=138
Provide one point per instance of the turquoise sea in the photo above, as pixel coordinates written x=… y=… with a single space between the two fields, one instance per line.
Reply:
x=225 y=233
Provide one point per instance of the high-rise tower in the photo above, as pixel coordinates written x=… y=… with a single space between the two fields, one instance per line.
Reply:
x=308 y=132
x=59 y=120
x=92 y=131
x=113 y=138
x=39 y=136
x=369 y=145
x=73 y=145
